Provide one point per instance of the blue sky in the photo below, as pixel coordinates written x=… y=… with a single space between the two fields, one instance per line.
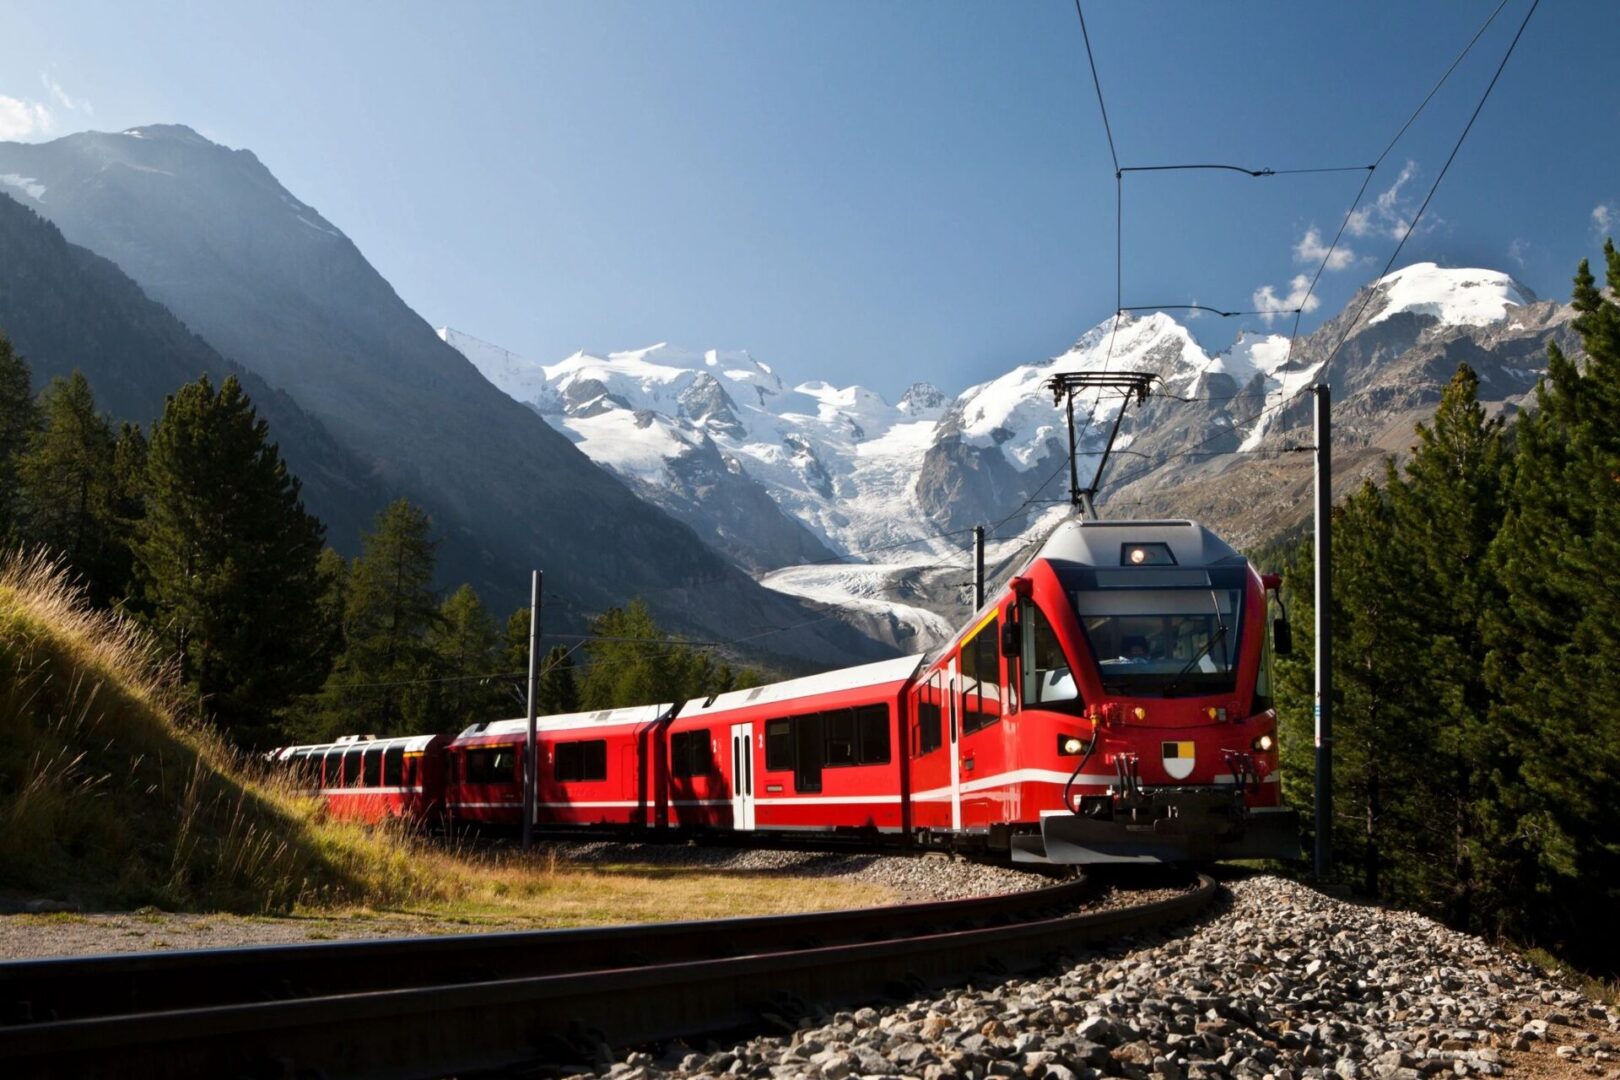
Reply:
x=873 y=193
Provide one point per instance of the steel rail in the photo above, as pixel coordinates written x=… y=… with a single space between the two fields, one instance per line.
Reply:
x=80 y=987
x=433 y=1029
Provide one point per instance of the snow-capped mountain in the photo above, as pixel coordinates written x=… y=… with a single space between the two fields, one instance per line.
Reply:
x=877 y=482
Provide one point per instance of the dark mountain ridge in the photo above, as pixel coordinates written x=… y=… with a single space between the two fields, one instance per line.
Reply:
x=209 y=232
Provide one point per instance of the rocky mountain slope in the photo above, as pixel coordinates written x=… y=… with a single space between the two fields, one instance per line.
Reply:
x=210 y=233
x=879 y=483
x=65 y=307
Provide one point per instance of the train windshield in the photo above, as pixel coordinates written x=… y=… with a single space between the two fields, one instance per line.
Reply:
x=1170 y=642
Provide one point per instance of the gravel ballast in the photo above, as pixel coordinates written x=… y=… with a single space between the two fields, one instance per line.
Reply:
x=1281 y=983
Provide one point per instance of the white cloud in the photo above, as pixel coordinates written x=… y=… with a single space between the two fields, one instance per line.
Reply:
x=1517 y=250
x=1389 y=215
x=1604 y=217
x=60 y=96
x=1270 y=305
x=20 y=119
x=1311 y=250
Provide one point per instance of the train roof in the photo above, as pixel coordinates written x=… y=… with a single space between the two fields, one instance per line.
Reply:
x=634 y=714
x=353 y=742
x=828 y=682
x=1101 y=543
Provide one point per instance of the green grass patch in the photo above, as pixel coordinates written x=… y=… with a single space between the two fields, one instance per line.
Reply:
x=114 y=793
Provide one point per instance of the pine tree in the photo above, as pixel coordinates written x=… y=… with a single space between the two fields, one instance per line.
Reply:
x=377 y=686
x=557 y=691
x=1448 y=508
x=17 y=422
x=630 y=660
x=633 y=662
x=67 y=489
x=228 y=557
x=466 y=645
x=1553 y=660
x=1382 y=734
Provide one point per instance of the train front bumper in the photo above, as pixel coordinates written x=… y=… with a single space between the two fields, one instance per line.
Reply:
x=1163 y=826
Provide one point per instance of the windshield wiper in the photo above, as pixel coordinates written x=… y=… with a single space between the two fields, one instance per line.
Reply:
x=1215 y=638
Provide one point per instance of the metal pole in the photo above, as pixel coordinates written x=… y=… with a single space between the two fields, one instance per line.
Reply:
x=1324 y=630
x=978 y=563
x=1074 y=468
x=530 y=771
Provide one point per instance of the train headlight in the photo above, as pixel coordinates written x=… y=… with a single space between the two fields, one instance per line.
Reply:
x=1265 y=743
x=1070 y=744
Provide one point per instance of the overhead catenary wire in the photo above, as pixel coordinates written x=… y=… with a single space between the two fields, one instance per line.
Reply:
x=1299 y=310
x=1355 y=203
x=1247 y=171
x=1410 y=229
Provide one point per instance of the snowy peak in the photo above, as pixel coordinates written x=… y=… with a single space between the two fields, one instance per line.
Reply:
x=1454 y=297
x=518 y=378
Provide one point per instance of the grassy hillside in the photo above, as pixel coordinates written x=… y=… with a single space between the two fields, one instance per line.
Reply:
x=111 y=792
x=113 y=795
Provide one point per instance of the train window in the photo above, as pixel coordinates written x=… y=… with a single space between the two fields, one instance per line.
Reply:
x=1262 y=683
x=930 y=717
x=690 y=754
x=839 y=725
x=981 y=679
x=872 y=734
x=351 y=768
x=394 y=767
x=332 y=769
x=807 y=752
x=581 y=760
x=490 y=765
x=778 y=745
x=1047 y=678
x=371 y=768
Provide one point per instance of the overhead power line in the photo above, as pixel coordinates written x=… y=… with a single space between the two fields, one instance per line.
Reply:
x=1248 y=171
x=1410 y=229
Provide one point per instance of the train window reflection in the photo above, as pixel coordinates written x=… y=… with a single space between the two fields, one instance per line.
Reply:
x=1047 y=678
x=1170 y=641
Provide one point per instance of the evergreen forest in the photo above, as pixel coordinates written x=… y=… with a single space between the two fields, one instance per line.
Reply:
x=1476 y=660
x=197 y=530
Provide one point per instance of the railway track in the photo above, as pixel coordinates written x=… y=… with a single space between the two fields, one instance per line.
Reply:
x=425 y=1007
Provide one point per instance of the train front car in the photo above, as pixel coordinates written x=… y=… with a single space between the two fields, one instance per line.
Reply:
x=1143 y=652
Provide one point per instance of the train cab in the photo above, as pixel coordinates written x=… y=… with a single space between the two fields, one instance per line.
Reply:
x=1112 y=704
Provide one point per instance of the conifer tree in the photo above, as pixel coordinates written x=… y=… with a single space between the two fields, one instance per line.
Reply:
x=228 y=558
x=377 y=686
x=17 y=422
x=467 y=651
x=1553 y=662
x=557 y=691
x=1448 y=506
x=633 y=662
x=68 y=497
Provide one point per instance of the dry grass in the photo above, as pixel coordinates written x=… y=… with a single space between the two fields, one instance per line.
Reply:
x=114 y=793
x=543 y=891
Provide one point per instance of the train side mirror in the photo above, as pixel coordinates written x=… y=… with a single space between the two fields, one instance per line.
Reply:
x=1282 y=637
x=1011 y=639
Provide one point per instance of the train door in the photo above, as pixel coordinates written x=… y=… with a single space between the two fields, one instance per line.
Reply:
x=954 y=679
x=742 y=776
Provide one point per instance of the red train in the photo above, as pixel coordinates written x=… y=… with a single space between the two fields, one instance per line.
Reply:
x=1112 y=704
